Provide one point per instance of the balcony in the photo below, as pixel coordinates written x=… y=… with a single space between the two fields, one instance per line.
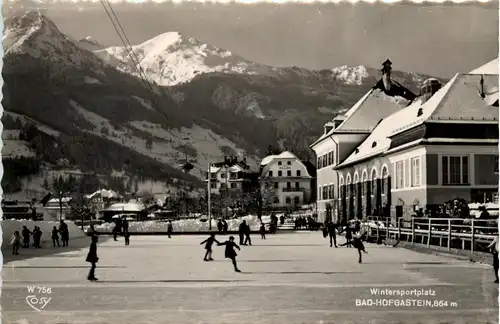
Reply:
x=293 y=189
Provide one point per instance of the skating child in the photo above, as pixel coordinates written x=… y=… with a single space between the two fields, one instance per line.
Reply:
x=262 y=231
x=230 y=253
x=15 y=241
x=126 y=235
x=357 y=242
x=208 y=246
x=92 y=258
x=55 y=236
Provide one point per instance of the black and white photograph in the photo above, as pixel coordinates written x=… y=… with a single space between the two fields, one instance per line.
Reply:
x=222 y=162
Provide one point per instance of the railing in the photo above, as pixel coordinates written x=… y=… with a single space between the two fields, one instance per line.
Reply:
x=452 y=233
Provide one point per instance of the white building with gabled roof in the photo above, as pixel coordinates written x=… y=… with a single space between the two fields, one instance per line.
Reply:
x=287 y=179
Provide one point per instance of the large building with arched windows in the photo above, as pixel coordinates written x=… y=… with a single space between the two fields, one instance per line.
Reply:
x=395 y=152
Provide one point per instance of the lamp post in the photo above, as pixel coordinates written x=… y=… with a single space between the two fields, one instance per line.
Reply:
x=209 y=176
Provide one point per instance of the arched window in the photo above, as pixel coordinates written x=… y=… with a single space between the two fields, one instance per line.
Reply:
x=384 y=175
x=348 y=179
x=288 y=200
x=374 y=181
x=356 y=177
x=365 y=176
x=341 y=180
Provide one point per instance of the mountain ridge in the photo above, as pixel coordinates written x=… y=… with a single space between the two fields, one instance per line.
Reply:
x=75 y=94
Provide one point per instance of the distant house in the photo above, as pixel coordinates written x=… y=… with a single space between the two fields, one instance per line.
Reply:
x=57 y=209
x=230 y=175
x=390 y=155
x=287 y=179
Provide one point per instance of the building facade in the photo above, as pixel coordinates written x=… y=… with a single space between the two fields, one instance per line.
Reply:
x=439 y=146
x=228 y=176
x=345 y=132
x=285 y=181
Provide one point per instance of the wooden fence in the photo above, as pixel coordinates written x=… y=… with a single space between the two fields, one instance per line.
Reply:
x=451 y=233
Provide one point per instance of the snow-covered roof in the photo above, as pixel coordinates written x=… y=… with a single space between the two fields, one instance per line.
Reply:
x=284 y=155
x=56 y=200
x=234 y=168
x=488 y=68
x=367 y=112
x=104 y=193
x=126 y=207
x=459 y=99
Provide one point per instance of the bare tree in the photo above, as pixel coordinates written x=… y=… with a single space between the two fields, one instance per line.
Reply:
x=63 y=188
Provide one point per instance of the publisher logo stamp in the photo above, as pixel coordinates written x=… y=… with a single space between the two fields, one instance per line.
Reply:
x=38 y=297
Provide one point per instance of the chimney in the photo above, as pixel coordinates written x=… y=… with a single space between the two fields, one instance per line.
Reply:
x=328 y=126
x=386 y=74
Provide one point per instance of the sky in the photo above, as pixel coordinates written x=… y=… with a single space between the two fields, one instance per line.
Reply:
x=435 y=39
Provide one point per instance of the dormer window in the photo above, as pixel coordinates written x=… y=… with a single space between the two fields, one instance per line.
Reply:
x=357 y=151
x=420 y=112
x=374 y=144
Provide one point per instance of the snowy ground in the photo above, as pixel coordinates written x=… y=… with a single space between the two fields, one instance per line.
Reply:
x=288 y=278
x=188 y=225
x=10 y=226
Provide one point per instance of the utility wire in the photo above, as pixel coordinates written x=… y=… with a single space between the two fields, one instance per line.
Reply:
x=135 y=60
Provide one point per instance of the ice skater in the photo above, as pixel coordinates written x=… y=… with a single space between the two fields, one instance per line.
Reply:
x=357 y=242
x=26 y=237
x=37 y=237
x=170 y=229
x=332 y=233
x=348 y=236
x=15 y=241
x=92 y=258
x=126 y=235
x=494 y=250
x=230 y=253
x=241 y=231
x=208 y=246
x=55 y=237
x=262 y=231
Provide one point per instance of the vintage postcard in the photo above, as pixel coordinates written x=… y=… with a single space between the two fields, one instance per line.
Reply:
x=250 y=162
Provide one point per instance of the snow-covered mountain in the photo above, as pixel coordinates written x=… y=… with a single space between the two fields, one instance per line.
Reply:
x=90 y=44
x=171 y=58
x=34 y=35
x=93 y=116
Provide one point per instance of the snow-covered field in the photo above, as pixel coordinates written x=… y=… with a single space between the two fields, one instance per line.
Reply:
x=182 y=226
x=9 y=226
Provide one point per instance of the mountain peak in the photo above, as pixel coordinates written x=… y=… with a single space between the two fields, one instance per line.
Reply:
x=351 y=75
x=35 y=35
x=172 y=58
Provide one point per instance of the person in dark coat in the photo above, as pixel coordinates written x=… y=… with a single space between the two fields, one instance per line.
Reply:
x=224 y=226
x=262 y=231
x=92 y=258
x=55 y=237
x=357 y=242
x=248 y=240
x=348 y=236
x=170 y=229
x=63 y=229
x=26 y=237
x=37 y=237
x=208 y=246
x=125 y=225
x=332 y=233
x=230 y=253
x=219 y=226
x=126 y=235
x=494 y=248
x=241 y=231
